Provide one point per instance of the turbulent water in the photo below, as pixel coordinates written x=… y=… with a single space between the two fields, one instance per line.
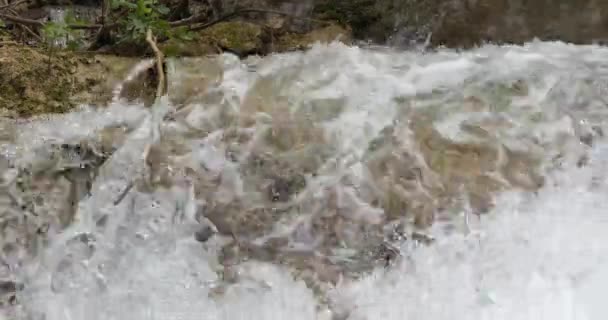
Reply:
x=490 y=162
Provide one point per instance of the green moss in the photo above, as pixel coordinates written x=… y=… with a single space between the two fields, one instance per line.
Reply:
x=180 y=48
x=32 y=82
x=296 y=41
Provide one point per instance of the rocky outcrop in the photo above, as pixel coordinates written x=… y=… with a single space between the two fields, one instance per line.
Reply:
x=466 y=23
x=503 y=21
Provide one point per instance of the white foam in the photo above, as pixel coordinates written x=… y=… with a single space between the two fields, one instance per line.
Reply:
x=535 y=257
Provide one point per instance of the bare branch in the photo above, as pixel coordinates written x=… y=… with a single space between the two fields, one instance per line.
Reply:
x=21 y=20
x=10 y=5
x=159 y=63
x=31 y=32
x=25 y=27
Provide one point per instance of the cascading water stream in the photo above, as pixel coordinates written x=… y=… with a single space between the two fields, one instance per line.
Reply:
x=336 y=183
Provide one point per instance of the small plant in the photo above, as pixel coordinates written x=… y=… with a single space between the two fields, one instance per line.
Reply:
x=54 y=33
x=74 y=38
x=61 y=33
x=140 y=15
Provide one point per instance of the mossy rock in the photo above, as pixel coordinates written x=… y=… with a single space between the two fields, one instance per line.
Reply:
x=179 y=48
x=242 y=38
x=328 y=34
x=33 y=82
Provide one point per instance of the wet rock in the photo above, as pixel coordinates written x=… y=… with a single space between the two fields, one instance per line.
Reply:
x=204 y=234
x=281 y=189
x=8 y=291
x=478 y=168
x=7 y=286
x=247 y=223
x=406 y=187
x=299 y=41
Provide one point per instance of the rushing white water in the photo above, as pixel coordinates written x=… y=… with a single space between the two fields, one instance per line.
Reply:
x=535 y=256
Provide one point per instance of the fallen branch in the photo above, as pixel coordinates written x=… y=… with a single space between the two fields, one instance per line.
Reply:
x=159 y=64
x=24 y=27
x=31 y=32
x=21 y=20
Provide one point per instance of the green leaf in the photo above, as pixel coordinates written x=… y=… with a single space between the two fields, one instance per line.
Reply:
x=187 y=36
x=141 y=8
x=162 y=9
x=2 y=24
x=128 y=5
x=53 y=30
x=162 y=24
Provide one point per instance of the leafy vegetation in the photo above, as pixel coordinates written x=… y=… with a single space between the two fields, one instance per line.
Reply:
x=136 y=17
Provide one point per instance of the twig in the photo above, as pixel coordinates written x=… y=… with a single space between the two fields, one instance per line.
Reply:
x=159 y=64
x=32 y=33
x=124 y=193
